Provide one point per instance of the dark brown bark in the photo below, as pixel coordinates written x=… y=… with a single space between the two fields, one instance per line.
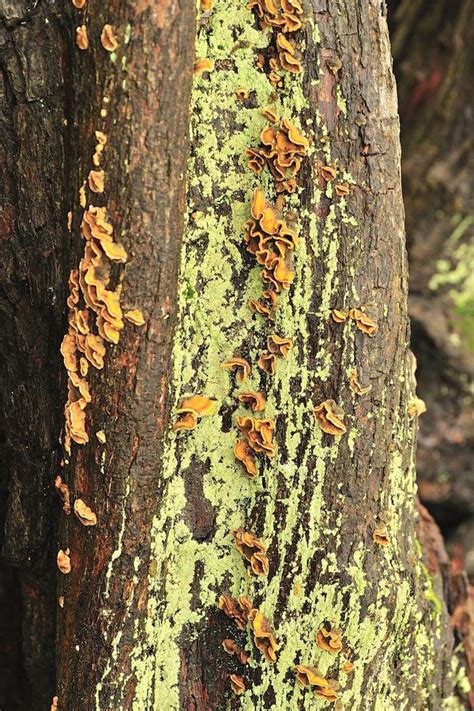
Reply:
x=145 y=92
x=34 y=256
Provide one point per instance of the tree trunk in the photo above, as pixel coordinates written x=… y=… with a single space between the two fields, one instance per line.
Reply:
x=138 y=619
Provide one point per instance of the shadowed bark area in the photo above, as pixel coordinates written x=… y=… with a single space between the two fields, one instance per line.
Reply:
x=34 y=255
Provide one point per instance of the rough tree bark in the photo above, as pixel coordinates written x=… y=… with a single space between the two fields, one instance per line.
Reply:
x=139 y=626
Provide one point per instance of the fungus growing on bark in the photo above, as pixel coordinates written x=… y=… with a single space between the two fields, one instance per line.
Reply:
x=63 y=561
x=242 y=94
x=258 y=434
x=355 y=384
x=203 y=65
x=279 y=346
x=239 y=365
x=339 y=315
x=100 y=434
x=233 y=648
x=101 y=137
x=64 y=493
x=82 y=195
x=252 y=549
x=54 y=703
x=76 y=421
x=68 y=351
x=84 y=513
x=416 y=408
x=96 y=180
x=288 y=55
x=108 y=38
x=328 y=172
x=94 y=350
x=82 y=40
x=342 y=189
x=206 y=5
x=191 y=409
x=284 y=15
x=238 y=610
x=329 y=416
x=79 y=3
x=237 y=684
x=347 y=667
x=263 y=636
x=254 y=400
x=267 y=362
x=309 y=676
x=363 y=321
x=270 y=114
x=282 y=148
x=245 y=455
x=329 y=640
x=135 y=316
x=380 y=536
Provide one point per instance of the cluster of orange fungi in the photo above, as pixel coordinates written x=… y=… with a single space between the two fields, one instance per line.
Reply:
x=252 y=549
x=283 y=17
x=244 y=613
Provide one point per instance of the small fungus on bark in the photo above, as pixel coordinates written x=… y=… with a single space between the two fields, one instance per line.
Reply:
x=84 y=513
x=255 y=400
x=96 y=180
x=237 y=684
x=279 y=346
x=267 y=362
x=191 y=409
x=238 y=610
x=252 y=549
x=329 y=640
x=258 y=434
x=239 y=365
x=328 y=172
x=63 y=561
x=380 y=536
x=245 y=455
x=329 y=416
x=82 y=39
x=63 y=491
x=233 y=648
x=108 y=38
x=203 y=65
x=342 y=189
x=263 y=635
x=135 y=316
x=363 y=321
x=339 y=315
x=355 y=384
x=100 y=434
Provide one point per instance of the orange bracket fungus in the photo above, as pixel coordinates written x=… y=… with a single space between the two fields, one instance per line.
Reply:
x=240 y=365
x=355 y=384
x=279 y=346
x=269 y=239
x=282 y=148
x=245 y=455
x=363 y=321
x=54 y=703
x=82 y=39
x=270 y=114
x=135 y=316
x=101 y=436
x=328 y=172
x=339 y=315
x=341 y=189
x=63 y=561
x=284 y=15
x=203 y=65
x=258 y=433
x=237 y=684
x=329 y=416
x=380 y=536
x=288 y=55
x=267 y=362
x=267 y=304
x=108 y=38
x=192 y=408
x=253 y=550
x=309 y=676
x=254 y=400
x=85 y=514
x=237 y=610
x=206 y=5
x=79 y=4
x=329 y=640
x=96 y=180
x=242 y=94
x=232 y=648
x=264 y=638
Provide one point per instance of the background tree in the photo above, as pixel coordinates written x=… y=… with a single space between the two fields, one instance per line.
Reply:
x=137 y=617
